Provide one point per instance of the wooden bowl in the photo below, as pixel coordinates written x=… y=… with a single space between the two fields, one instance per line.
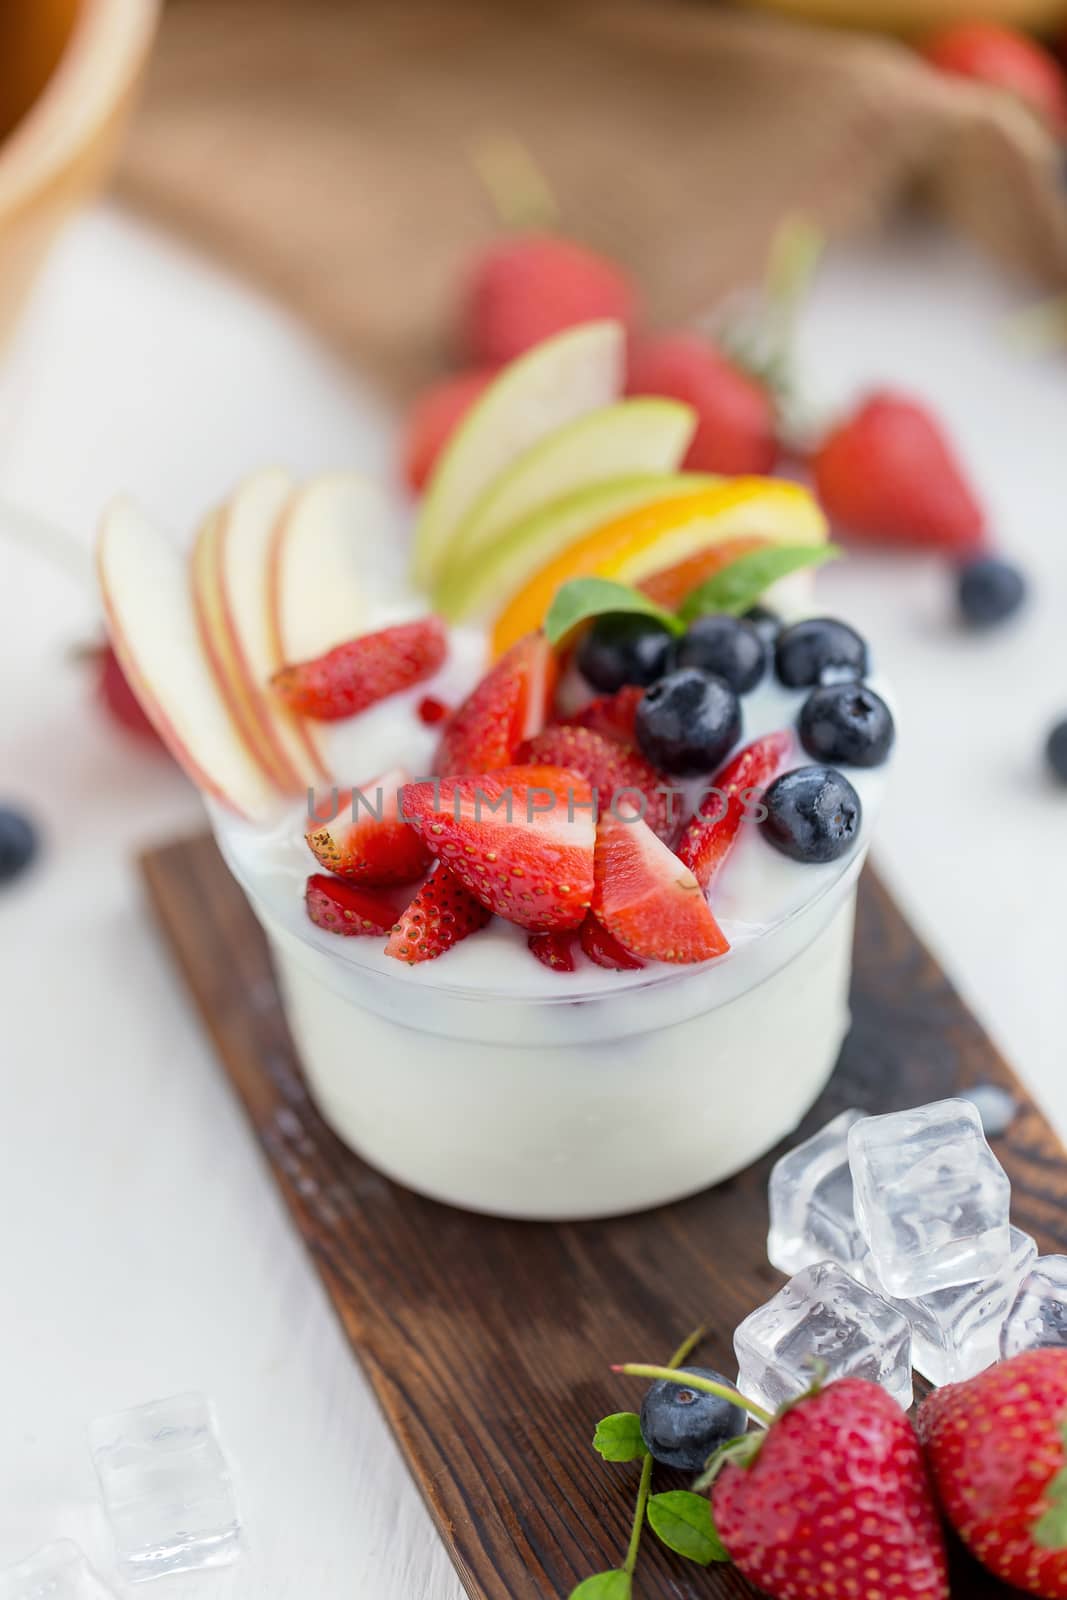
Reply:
x=920 y=16
x=68 y=71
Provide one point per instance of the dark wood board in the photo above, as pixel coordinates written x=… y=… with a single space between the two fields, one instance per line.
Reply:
x=488 y=1342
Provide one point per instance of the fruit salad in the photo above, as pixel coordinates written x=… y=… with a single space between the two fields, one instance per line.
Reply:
x=555 y=817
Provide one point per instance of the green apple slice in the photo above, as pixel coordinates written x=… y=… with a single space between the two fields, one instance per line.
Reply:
x=483 y=588
x=631 y=436
x=563 y=378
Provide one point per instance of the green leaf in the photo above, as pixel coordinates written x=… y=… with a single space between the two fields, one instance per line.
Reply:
x=1050 y=1531
x=583 y=598
x=618 y=1437
x=617 y=1585
x=737 y=587
x=682 y=1521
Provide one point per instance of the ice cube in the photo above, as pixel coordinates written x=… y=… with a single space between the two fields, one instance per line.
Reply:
x=810 y=1197
x=59 y=1571
x=931 y=1197
x=825 y=1315
x=955 y=1333
x=166 y=1487
x=1038 y=1319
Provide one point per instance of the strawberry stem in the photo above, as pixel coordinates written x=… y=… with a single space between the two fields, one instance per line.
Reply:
x=1039 y=328
x=520 y=193
x=634 y=1369
x=795 y=251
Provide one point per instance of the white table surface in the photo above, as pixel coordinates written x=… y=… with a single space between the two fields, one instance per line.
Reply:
x=145 y=1250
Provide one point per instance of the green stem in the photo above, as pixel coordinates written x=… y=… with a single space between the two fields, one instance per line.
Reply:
x=795 y=251
x=643 y=1487
x=705 y=1385
x=687 y=1346
x=521 y=194
x=1040 y=327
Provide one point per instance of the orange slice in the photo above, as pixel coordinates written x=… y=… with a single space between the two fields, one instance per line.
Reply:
x=654 y=537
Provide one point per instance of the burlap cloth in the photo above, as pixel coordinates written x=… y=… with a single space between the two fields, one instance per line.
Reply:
x=324 y=148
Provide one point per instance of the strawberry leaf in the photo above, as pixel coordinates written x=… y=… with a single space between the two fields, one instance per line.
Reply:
x=682 y=1521
x=583 y=598
x=618 y=1437
x=617 y=1585
x=1050 y=1531
x=737 y=587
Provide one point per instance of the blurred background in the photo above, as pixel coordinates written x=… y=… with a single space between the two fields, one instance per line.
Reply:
x=241 y=231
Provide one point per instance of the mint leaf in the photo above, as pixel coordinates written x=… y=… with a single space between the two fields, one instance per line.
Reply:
x=737 y=587
x=1050 y=1531
x=583 y=598
x=618 y=1437
x=682 y=1521
x=616 y=1585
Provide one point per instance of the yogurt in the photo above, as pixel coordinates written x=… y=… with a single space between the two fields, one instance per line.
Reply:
x=489 y=1081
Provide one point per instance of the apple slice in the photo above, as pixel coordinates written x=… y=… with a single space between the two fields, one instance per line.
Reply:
x=644 y=435
x=552 y=384
x=231 y=588
x=327 y=543
x=485 y=586
x=153 y=627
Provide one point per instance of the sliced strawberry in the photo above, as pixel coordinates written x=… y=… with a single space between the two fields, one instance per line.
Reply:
x=362 y=837
x=555 y=950
x=509 y=705
x=604 y=949
x=520 y=839
x=617 y=774
x=358 y=674
x=711 y=832
x=613 y=716
x=647 y=899
x=342 y=908
x=441 y=914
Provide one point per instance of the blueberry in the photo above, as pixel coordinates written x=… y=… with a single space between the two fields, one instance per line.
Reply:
x=681 y=1427
x=621 y=649
x=994 y=1104
x=728 y=647
x=819 y=650
x=846 y=722
x=18 y=843
x=1056 y=750
x=989 y=591
x=767 y=623
x=687 y=722
x=813 y=814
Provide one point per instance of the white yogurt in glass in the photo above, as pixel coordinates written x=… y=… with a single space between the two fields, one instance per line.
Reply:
x=489 y=1081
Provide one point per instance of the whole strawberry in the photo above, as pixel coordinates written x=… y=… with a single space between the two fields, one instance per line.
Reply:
x=1006 y=59
x=432 y=420
x=997 y=1448
x=837 y=1501
x=737 y=428
x=889 y=474
x=530 y=286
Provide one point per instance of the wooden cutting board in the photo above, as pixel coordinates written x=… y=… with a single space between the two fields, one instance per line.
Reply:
x=488 y=1342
